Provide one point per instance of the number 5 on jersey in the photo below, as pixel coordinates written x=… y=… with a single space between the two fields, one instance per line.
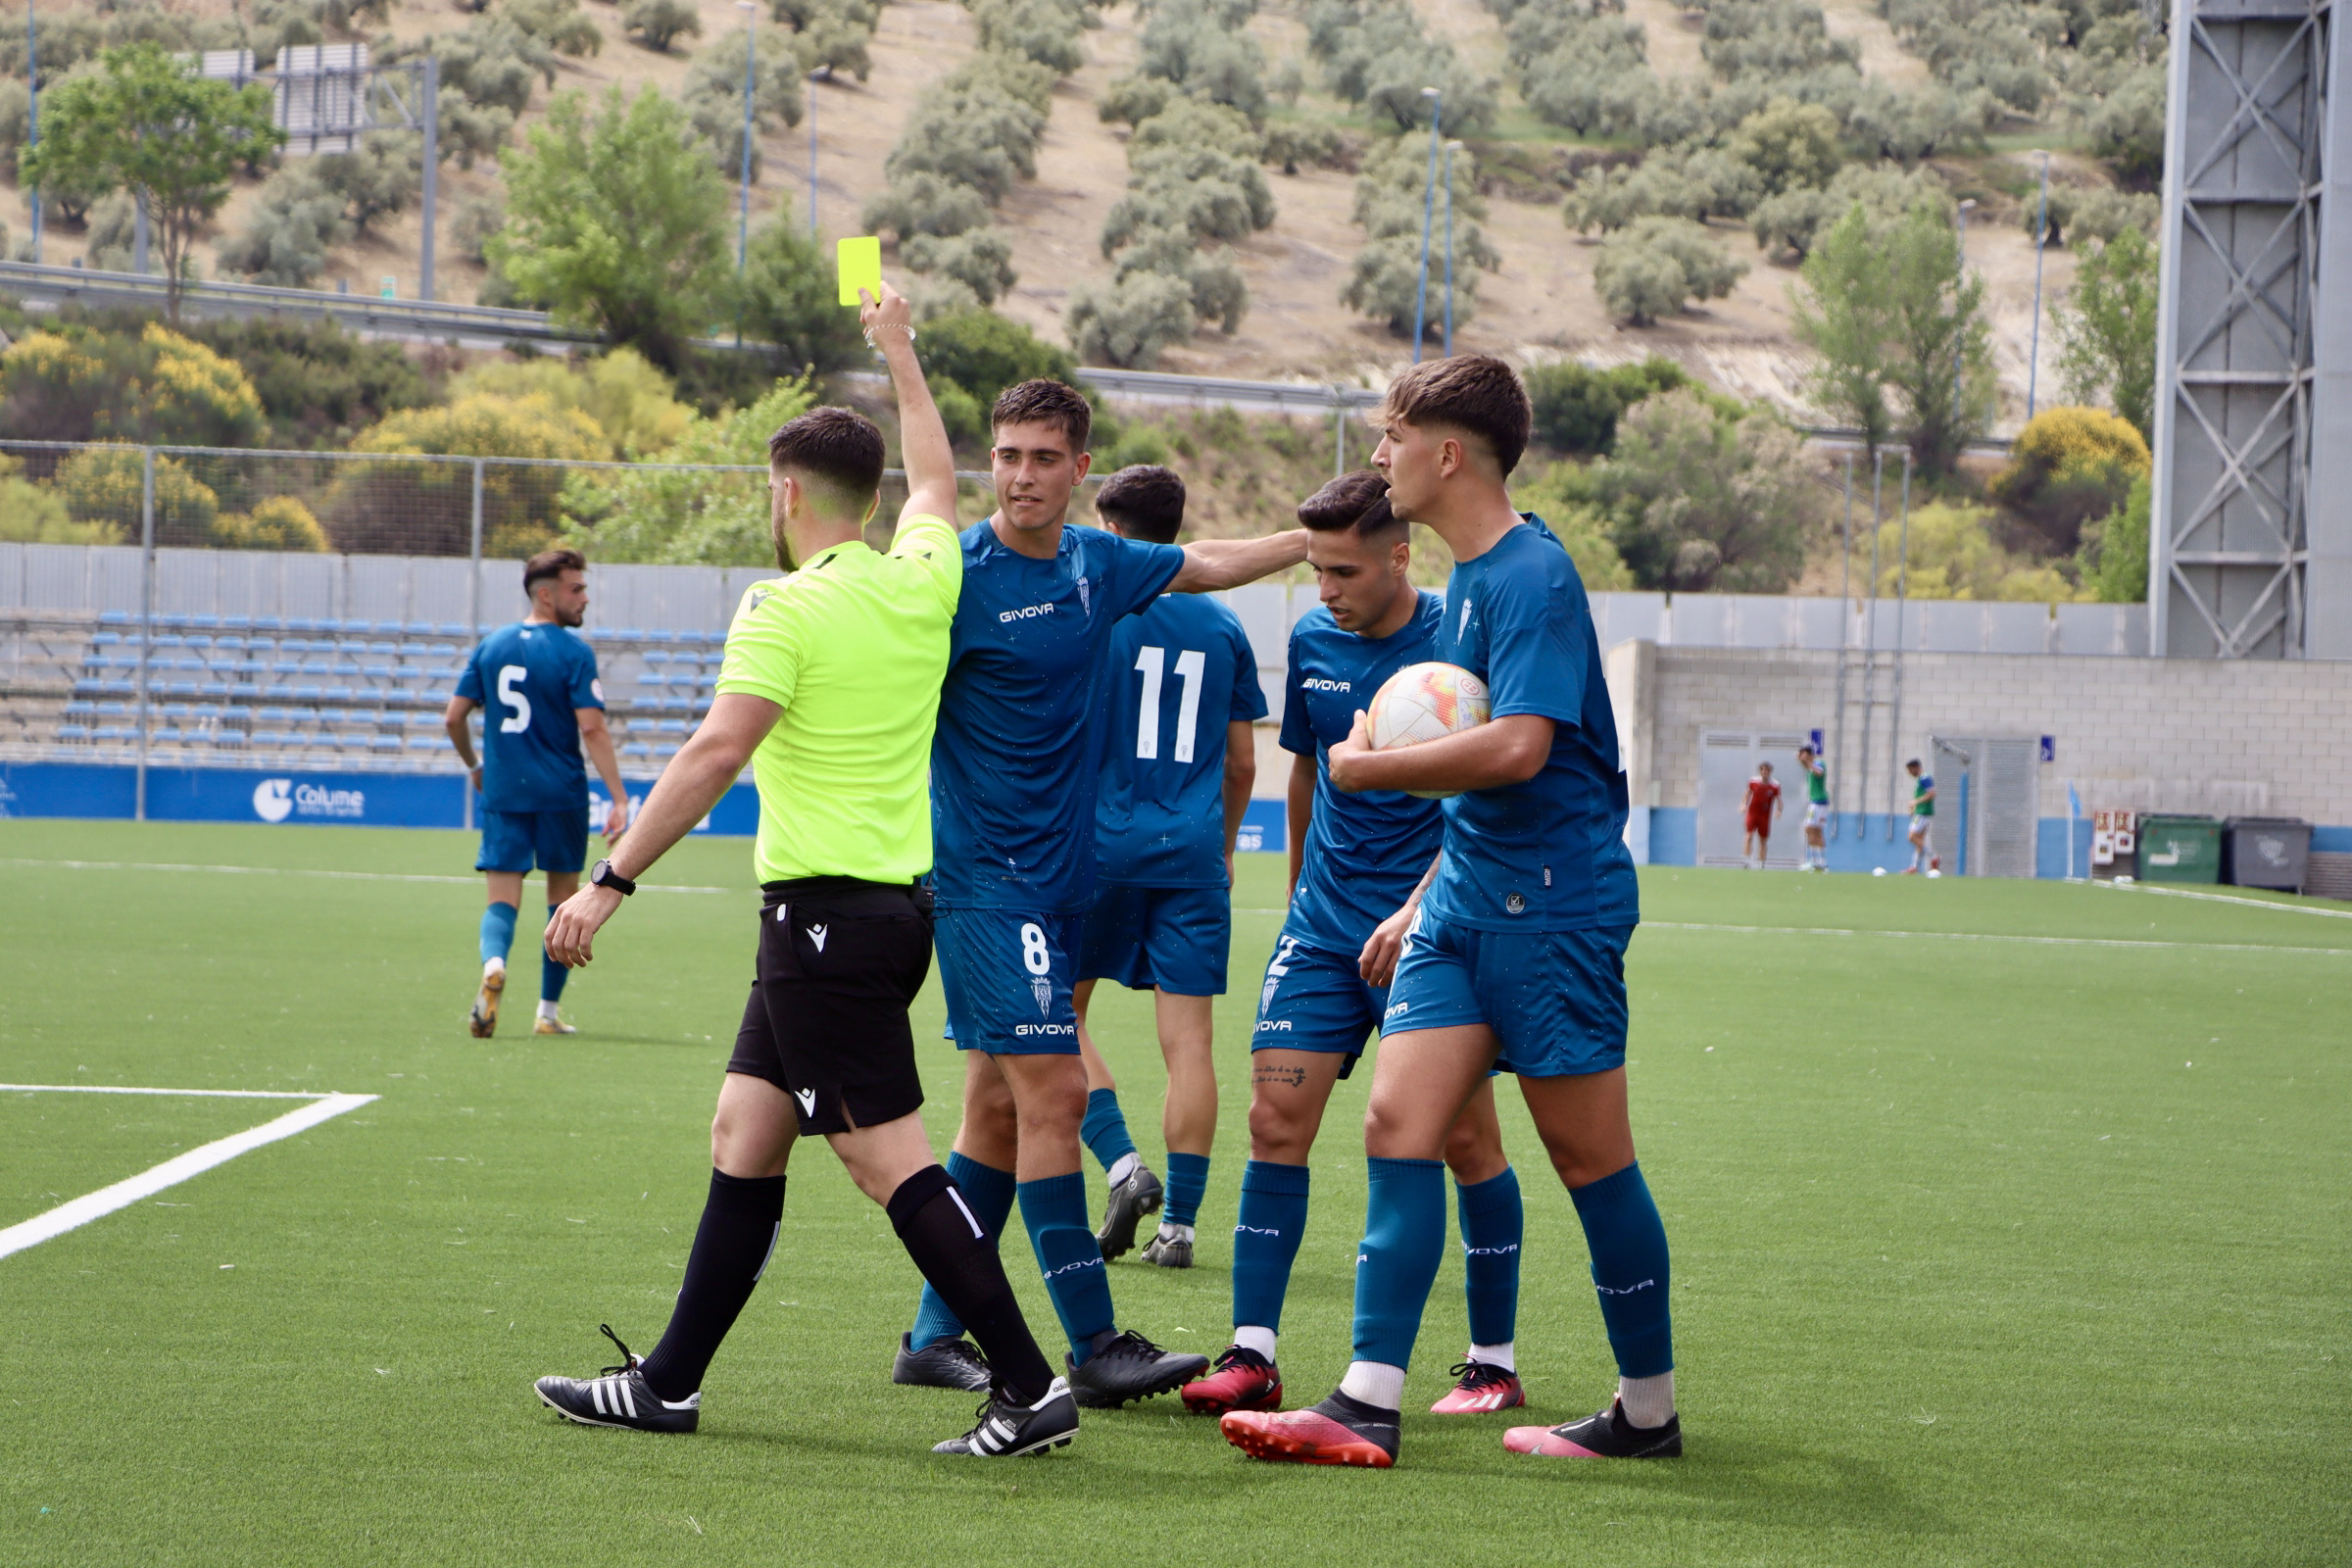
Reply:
x=1190 y=665
x=510 y=678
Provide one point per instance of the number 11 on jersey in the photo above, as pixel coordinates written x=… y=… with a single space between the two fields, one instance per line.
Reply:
x=1191 y=664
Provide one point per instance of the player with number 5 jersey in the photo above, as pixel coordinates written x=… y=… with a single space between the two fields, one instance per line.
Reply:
x=1013 y=787
x=537 y=684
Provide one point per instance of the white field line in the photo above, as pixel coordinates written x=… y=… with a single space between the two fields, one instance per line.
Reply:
x=2248 y=904
x=285 y=870
x=172 y=1172
x=111 y=1089
x=1993 y=935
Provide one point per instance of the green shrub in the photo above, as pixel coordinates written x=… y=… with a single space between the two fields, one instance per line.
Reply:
x=1699 y=501
x=2114 y=559
x=706 y=518
x=278 y=522
x=980 y=258
x=985 y=353
x=1657 y=265
x=1577 y=406
x=104 y=488
x=785 y=295
x=659 y=24
x=1132 y=320
x=82 y=383
x=925 y=203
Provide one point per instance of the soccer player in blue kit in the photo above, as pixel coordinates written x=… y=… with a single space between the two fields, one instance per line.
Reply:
x=1180 y=695
x=537 y=680
x=1354 y=860
x=1012 y=789
x=1514 y=957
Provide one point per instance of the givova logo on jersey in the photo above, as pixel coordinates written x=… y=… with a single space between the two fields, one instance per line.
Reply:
x=276 y=799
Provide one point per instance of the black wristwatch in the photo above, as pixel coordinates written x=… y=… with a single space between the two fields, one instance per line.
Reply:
x=601 y=875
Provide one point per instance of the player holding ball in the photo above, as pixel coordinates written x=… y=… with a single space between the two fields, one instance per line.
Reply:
x=1513 y=946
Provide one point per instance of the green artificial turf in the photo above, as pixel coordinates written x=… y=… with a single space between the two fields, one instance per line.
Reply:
x=1987 y=1250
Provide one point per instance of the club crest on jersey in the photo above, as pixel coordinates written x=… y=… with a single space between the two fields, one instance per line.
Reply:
x=1265 y=994
x=1086 y=596
x=1042 y=990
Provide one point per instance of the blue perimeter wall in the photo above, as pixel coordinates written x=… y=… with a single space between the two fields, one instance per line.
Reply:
x=438 y=799
x=373 y=800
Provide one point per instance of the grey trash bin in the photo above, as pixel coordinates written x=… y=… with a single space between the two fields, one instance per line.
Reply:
x=2265 y=851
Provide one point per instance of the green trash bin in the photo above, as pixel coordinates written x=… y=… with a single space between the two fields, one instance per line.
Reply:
x=2179 y=849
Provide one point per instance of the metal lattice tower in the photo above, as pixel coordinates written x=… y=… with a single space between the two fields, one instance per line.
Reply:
x=2254 y=353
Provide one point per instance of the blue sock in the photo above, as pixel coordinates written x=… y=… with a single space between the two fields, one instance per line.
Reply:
x=1054 y=1211
x=1404 y=1238
x=989 y=1191
x=1492 y=1225
x=498 y=931
x=1265 y=1241
x=1188 y=1184
x=1104 y=1130
x=1628 y=1242
x=551 y=975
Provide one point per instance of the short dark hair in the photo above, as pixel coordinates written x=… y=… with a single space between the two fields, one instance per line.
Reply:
x=1474 y=393
x=840 y=449
x=1046 y=402
x=1358 y=501
x=551 y=563
x=1146 y=501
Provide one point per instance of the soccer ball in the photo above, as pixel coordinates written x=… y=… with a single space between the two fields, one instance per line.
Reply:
x=1878 y=870
x=1426 y=702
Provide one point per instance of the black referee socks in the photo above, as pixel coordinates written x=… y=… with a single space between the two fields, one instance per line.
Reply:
x=731 y=1248
x=957 y=1256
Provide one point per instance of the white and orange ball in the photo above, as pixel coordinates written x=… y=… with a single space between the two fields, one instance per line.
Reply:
x=1426 y=702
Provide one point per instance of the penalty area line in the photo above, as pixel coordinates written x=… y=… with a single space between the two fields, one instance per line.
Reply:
x=296 y=870
x=172 y=1172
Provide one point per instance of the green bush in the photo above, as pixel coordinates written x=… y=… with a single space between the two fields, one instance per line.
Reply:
x=1702 y=502
x=984 y=353
x=980 y=258
x=703 y=519
x=36 y=515
x=104 y=488
x=1657 y=265
x=1792 y=220
x=84 y=384
x=276 y=522
x=1044 y=30
x=378 y=177
x=1212 y=194
x=1131 y=100
x=427 y=508
x=979 y=126
x=1132 y=320
x=1193 y=45
x=316 y=383
x=1577 y=406
x=786 y=296
x=557 y=24
x=2112 y=562
x=1291 y=146
x=717 y=73
x=659 y=24
x=925 y=203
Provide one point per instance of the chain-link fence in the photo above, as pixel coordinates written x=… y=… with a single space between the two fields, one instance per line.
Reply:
x=312 y=610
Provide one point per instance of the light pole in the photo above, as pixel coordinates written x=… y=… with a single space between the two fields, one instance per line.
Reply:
x=750 y=54
x=2042 y=238
x=1451 y=148
x=1429 y=205
x=33 y=120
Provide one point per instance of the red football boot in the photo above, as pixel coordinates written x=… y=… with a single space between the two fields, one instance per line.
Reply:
x=1339 y=1431
x=1606 y=1436
x=1242 y=1381
x=1482 y=1387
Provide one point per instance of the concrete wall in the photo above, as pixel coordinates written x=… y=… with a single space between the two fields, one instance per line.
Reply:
x=2243 y=737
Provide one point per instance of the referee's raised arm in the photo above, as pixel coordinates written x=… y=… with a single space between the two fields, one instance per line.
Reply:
x=922 y=434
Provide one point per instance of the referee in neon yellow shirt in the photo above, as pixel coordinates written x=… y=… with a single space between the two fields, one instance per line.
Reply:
x=830 y=689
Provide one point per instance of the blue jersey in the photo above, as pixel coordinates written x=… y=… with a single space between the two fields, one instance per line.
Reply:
x=1013 y=759
x=1547 y=854
x=530 y=680
x=1173 y=677
x=1364 y=853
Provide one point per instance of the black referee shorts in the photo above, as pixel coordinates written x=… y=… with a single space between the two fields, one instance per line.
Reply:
x=840 y=963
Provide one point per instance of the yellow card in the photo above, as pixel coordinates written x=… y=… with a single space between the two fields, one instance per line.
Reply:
x=859 y=262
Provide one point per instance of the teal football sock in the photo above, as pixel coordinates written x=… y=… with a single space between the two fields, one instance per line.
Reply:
x=989 y=1190
x=1104 y=1129
x=497 y=932
x=1265 y=1241
x=1404 y=1239
x=1054 y=1211
x=1494 y=1223
x=1188 y=1184
x=1628 y=1242
x=552 y=974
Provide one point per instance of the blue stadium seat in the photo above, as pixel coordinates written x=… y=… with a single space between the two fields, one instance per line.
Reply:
x=72 y=733
x=175 y=623
x=384 y=743
x=105 y=639
x=170 y=640
x=180 y=688
x=636 y=748
x=111 y=732
x=671 y=726
x=113 y=709
x=379 y=673
x=228 y=737
x=655 y=656
x=204 y=622
x=666 y=752
x=450 y=628
x=340 y=694
x=236 y=623
x=80 y=708
x=169 y=735
x=115 y=617
x=270 y=623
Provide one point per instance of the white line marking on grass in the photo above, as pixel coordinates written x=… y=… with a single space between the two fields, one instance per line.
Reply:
x=2250 y=904
x=172 y=1172
x=1993 y=935
x=290 y=870
x=111 y=1089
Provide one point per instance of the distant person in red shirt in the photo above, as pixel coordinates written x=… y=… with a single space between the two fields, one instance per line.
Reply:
x=1763 y=805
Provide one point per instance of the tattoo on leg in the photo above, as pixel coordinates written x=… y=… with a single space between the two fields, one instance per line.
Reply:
x=1267 y=1073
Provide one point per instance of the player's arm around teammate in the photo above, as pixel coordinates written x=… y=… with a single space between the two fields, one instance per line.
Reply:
x=829 y=689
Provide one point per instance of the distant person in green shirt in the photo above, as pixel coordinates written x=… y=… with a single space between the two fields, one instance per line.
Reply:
x=1817 y=808
x=1922 y=822
x=830 y=690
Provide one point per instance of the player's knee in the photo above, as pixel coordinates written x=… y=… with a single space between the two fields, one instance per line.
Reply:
x=1279 y=1132
x=1474 y=1151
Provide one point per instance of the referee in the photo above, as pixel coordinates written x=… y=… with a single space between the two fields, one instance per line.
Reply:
x=830 y=689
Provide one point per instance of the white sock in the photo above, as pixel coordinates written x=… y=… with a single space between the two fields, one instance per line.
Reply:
x=1647 y=1401
x=1493 y=1355
x=491 y=966
x=547 y=1011
x=1124 y=1166
x=1374 y=1383
x=1175 y=1233
x=1250 y=1337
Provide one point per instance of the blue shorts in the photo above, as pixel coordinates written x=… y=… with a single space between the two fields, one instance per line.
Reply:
x=1007 y=976
x=1316 y=1000
x=1555 y=999
x=1173 y=938
x=513 y=840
